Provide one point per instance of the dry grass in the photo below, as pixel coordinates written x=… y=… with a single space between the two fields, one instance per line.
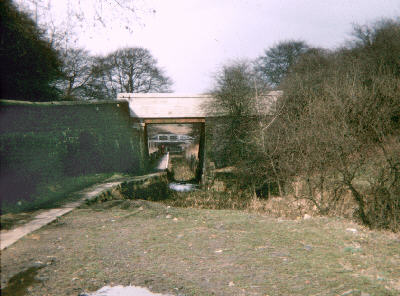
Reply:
x=205 y=252
x=207 y=200
x=293 y=208
x=278 y=207
x=223 y=194
x=180 y=168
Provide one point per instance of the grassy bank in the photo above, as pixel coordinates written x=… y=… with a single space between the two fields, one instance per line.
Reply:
x=205 y=252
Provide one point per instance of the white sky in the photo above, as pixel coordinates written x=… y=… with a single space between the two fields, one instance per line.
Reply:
x=191 y=39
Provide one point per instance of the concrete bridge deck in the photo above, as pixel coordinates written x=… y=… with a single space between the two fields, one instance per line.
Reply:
x=175 y=108
x=166 y=105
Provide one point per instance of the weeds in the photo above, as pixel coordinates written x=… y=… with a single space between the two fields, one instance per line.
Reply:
x=181 y=170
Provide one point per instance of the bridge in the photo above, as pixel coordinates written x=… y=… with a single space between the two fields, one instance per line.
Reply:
x=173 y=142
x=171 y=138
x=166 y=108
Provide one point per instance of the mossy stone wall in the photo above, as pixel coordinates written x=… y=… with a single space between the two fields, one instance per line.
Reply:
x=41 y=143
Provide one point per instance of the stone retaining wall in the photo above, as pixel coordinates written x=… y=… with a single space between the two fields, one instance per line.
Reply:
x=41 y=143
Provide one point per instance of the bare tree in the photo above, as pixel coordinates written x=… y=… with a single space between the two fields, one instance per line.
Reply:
x=233 y=93
x=63 y=20
x=277 y=60
x=130 y=70
x=235 y=138
x=335 y=131
x=339 y=126
x=77 y=71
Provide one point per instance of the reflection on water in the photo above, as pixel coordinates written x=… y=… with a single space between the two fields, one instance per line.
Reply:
x=182 y=187
x=124 y=291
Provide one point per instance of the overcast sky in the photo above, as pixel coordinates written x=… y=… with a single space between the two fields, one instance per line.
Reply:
x=191 y=39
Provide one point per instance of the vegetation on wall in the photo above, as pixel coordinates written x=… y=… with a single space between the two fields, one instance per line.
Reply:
x=43 y=143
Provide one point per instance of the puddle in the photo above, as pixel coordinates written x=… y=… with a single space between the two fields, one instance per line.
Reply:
x=124 y=291
x=182 y=187
x=18 y=284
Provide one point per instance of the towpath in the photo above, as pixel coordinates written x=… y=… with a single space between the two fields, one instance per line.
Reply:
x=164 y=161
x=8 y=237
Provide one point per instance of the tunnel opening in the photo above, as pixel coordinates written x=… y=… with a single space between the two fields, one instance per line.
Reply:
x=184 y=144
